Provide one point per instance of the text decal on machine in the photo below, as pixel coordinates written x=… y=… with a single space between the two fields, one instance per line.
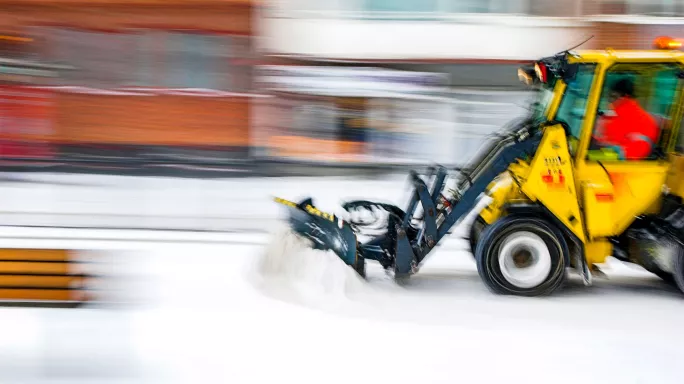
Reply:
x=554 y=177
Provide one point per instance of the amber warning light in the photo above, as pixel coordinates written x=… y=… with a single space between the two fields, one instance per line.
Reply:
x=525 y=77
x=666 y=42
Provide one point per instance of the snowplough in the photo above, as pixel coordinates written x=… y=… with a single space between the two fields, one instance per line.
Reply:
x=557 y=199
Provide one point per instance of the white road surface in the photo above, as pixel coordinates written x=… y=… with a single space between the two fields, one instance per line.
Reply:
x=193 y=309
x=197 y=314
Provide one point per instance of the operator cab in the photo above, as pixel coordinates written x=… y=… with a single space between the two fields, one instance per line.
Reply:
x=576 y=89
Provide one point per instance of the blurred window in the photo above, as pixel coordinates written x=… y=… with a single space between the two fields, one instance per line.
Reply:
x=521 y=7
x=187 y=60
x=312 y=5
x=401 y=5
x=148 y=51
x=652 y=7
x=553 y=8
x=100 y=59
x=487 y=6
x=314 y=119
x=196 y=61
x=14 y=49
x=151 y=58
x=643 y=7
x=449 y=6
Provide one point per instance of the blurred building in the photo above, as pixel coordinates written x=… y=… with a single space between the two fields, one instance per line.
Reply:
x=477 y=45
x=353 y=80
x=634 y=24
x=338 y=113
x=141 y=79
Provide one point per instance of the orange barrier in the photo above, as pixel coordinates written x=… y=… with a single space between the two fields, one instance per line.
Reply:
x=52 y=275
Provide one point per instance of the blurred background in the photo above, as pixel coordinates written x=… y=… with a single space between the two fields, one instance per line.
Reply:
x=239 y=86
x=102 y=100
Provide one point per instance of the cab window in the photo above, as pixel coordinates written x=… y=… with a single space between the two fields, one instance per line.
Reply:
x=635 y=112
x=572 y=108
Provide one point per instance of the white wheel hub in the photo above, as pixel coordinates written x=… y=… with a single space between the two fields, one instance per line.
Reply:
x=524 y=260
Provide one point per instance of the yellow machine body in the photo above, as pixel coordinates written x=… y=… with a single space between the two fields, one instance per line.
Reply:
x=591 y=193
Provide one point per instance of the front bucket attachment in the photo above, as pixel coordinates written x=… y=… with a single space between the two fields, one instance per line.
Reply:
x=325 y=231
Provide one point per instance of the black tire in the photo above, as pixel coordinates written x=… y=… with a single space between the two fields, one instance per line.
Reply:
x=527 y=228
x=475 y=231
x=666 y=277
x=678 y=275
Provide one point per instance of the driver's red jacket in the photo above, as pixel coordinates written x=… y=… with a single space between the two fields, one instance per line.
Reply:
x=632 y=131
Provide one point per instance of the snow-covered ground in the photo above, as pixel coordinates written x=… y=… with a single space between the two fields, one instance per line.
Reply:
x=197 y=313
x=195 y=309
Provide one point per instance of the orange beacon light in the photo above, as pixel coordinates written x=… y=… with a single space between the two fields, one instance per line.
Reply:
x=666 y=42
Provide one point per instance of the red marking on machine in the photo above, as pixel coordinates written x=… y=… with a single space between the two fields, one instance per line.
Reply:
x=554 y=182
x=604 y=197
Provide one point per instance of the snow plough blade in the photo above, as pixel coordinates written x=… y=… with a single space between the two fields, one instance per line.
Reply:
x=325 y=231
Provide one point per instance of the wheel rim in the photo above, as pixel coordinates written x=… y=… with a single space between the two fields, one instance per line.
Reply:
x=525 y=260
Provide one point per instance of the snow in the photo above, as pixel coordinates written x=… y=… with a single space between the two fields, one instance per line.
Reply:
x=196 y=314
x=196 y=307
x=289 y=266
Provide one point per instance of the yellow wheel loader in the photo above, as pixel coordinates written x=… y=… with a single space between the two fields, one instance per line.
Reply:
x=557 y=200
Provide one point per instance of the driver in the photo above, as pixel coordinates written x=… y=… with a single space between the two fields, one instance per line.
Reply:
x=630 y=130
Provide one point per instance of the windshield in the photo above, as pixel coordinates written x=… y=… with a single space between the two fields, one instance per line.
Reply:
x=543 y=99
x=573 y=106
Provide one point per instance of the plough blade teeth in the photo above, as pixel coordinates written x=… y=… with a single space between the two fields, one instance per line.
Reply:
x=325 y=231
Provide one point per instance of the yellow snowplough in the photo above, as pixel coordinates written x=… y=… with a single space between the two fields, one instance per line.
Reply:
x=558 y=199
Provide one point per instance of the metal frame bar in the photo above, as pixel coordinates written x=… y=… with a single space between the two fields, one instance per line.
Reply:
x=409 y=254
